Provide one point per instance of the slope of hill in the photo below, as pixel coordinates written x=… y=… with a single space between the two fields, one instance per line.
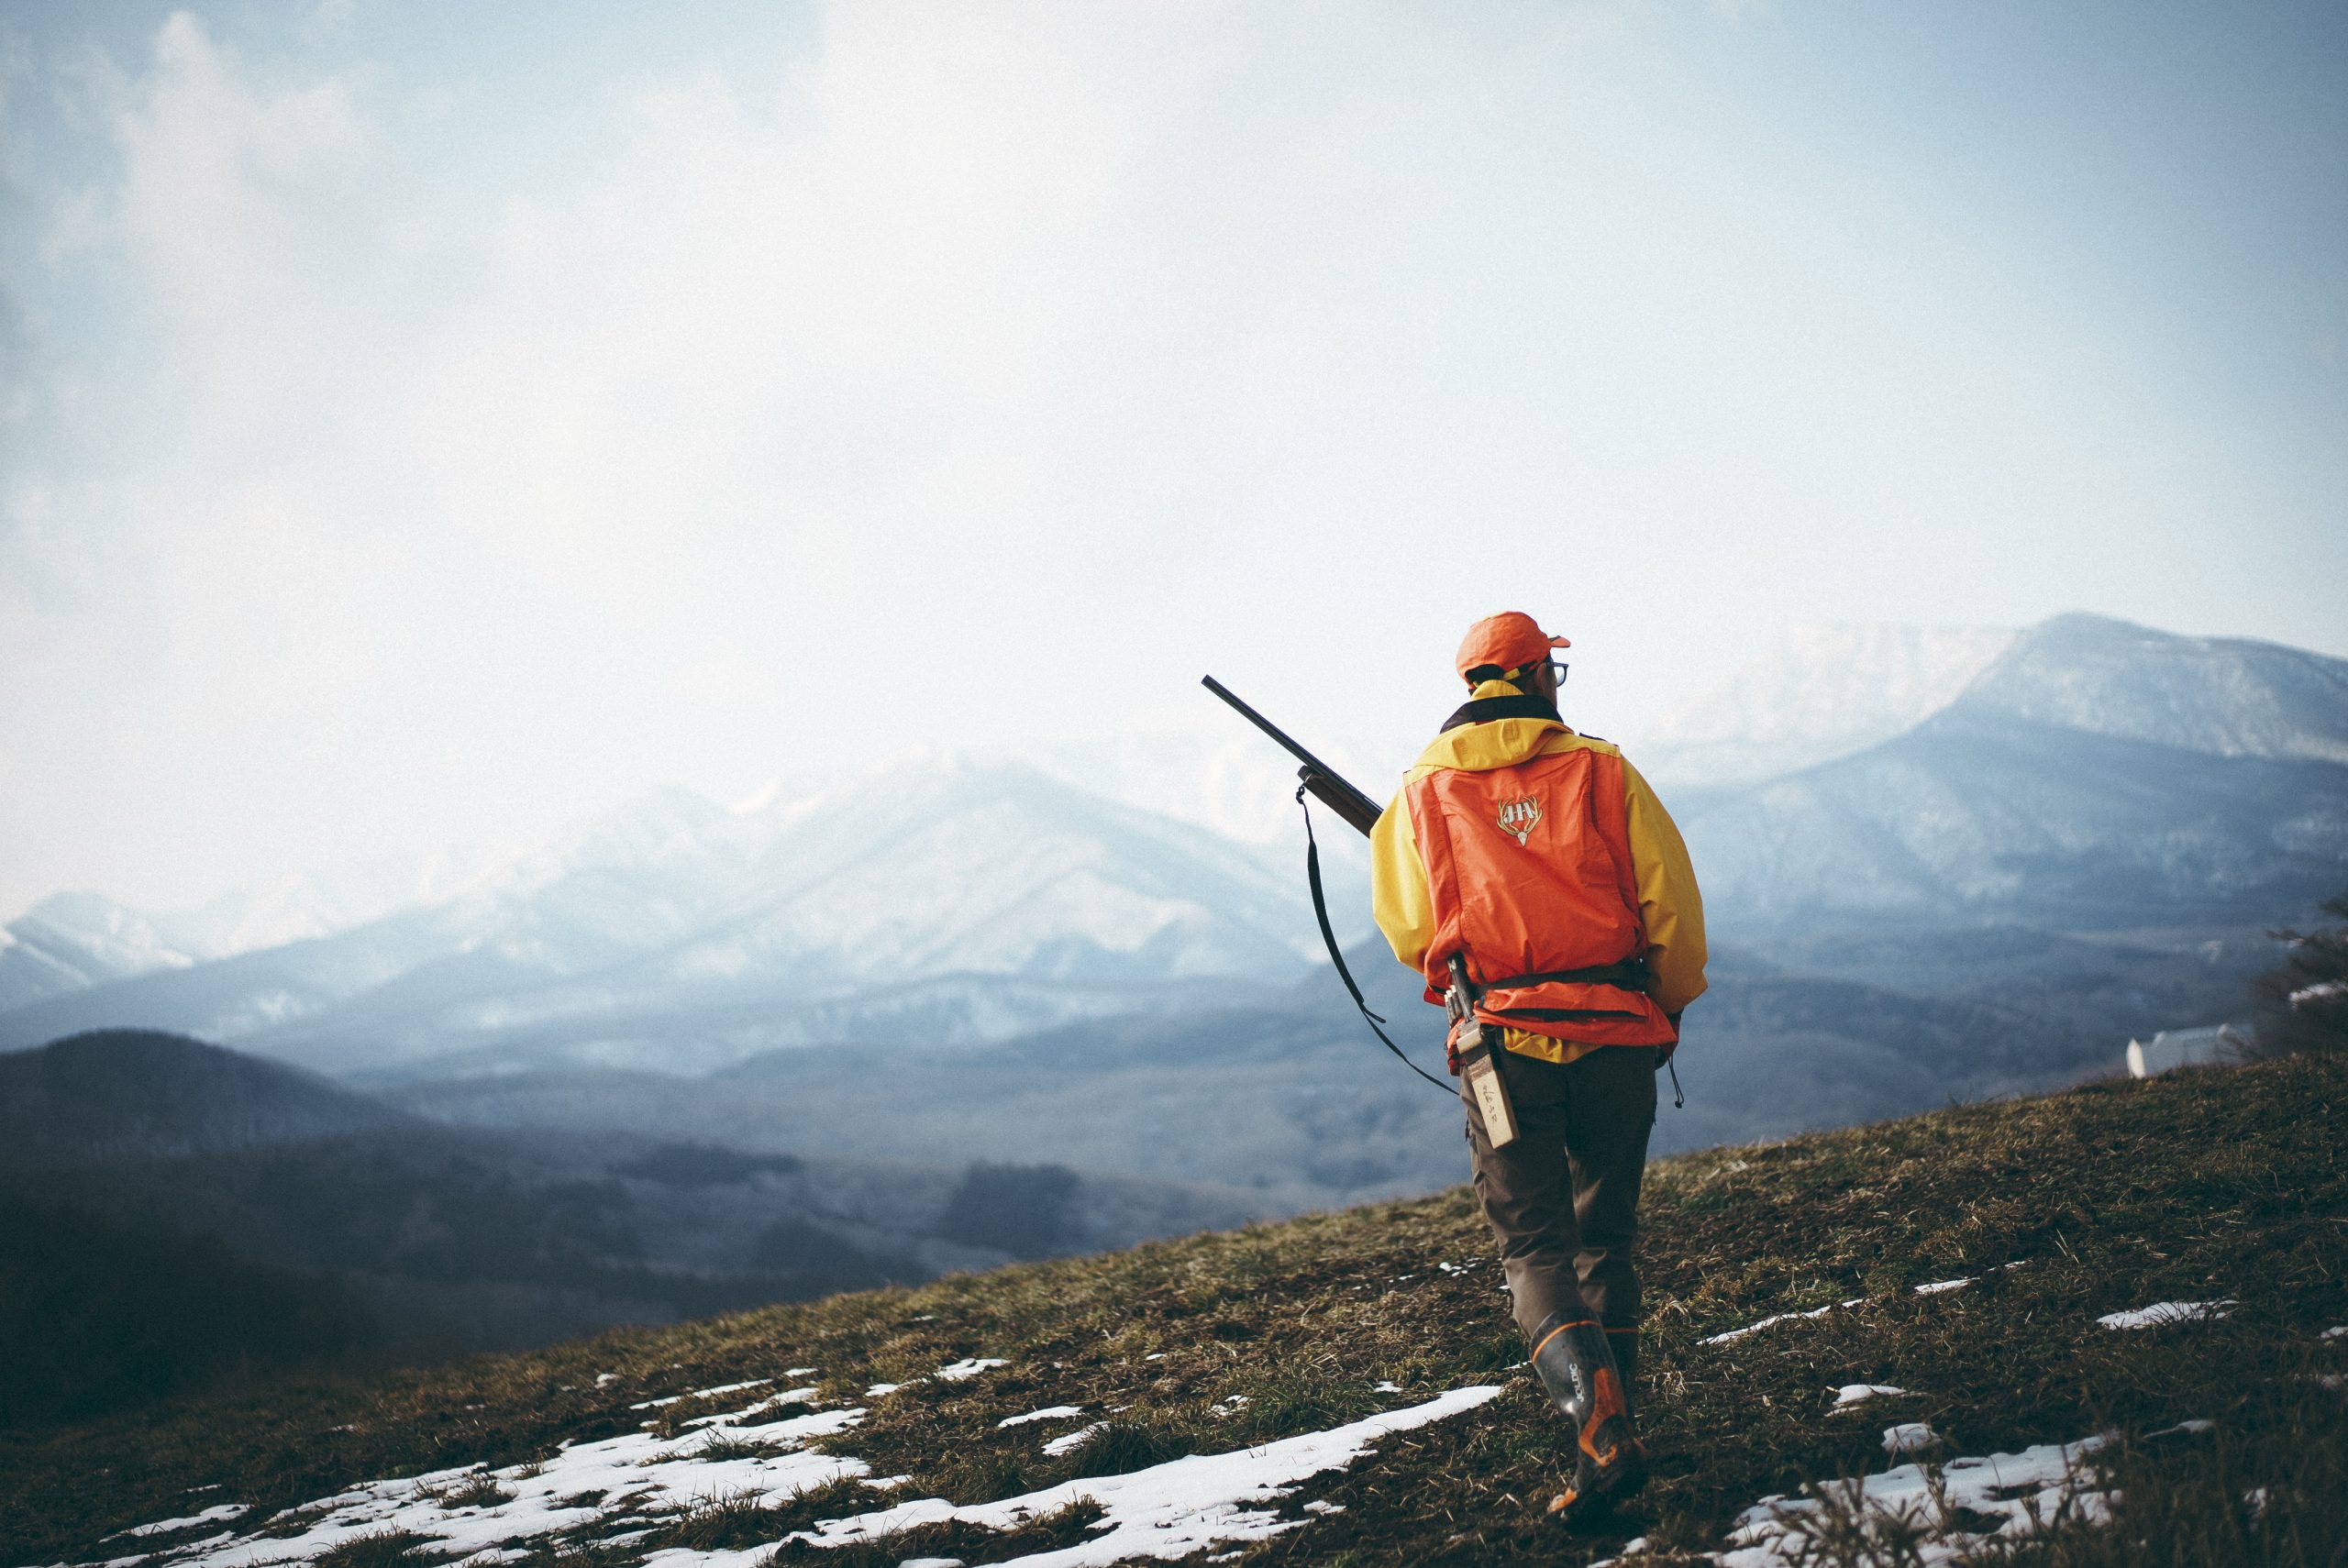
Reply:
x=130 y=1094
x=2096 y=1328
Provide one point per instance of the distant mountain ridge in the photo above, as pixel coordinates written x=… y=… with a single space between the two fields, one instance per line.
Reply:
x=2084 y=775
x=963 y=900
x=1821 y=693
x=2095 y=774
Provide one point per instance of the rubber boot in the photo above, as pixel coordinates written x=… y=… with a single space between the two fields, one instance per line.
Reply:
x=1624 y=1343
x=1578 y=1372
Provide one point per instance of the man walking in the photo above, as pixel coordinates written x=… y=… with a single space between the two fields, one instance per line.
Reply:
x=1543 y=860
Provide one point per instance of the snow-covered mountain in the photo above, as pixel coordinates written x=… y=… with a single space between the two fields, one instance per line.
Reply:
x=936 y=899
x=70 y=942
x=1820 y=693
x=2085 y=774
x=320 y=903
x=2220 y=696
x=2095 y=775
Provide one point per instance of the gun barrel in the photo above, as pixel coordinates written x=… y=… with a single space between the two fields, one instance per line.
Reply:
x=1326 y=783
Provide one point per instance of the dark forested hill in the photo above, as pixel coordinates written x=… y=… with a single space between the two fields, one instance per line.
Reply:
x=115 y=1094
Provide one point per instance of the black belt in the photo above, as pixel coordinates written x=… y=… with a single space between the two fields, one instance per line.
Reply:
x=1631 y=975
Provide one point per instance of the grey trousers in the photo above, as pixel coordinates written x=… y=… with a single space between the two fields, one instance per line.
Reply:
x=1563 y=1198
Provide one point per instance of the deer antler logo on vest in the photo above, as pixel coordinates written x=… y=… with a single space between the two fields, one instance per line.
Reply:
x=1521 y=817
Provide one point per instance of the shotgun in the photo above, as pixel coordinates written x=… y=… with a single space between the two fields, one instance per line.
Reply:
x=1324 y=783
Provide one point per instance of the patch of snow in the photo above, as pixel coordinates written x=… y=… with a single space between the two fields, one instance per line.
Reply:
x=2161 y=1312
x=1048 y=1413
x=1230 y=1404
x=881 y=1390
x=885 y=1483
x=638 y=1472
x=209 y=1516
x=2193 y=1427
x=1323 y=1506
x=1851 y=1393
x=2339 y=1331
x=1069 y=1442
x=1909 y=1437
x=702 y=1394
x=801 y=1371
x=604 y=1378
x=2022 y=1491
x=1387 y=1386
x=1939 y=1286
x=1169 y=1510
x=806 y=1396
x=1734 y=1334
x=932 y=1563
x=968 y=1366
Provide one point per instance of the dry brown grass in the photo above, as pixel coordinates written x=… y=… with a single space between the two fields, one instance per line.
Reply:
x=2208 y=1184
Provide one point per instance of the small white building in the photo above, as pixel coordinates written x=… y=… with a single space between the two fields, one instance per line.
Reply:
x=2220 y=1045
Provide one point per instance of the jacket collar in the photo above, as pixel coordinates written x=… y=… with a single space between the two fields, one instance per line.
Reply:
x=1479 y=742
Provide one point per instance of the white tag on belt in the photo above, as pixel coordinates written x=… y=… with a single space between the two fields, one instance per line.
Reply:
x=1483 y=1076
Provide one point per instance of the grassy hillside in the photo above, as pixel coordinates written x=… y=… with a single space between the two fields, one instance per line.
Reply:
x=2227 y=1186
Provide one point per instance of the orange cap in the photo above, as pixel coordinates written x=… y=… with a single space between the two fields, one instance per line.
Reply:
x=1510 y=640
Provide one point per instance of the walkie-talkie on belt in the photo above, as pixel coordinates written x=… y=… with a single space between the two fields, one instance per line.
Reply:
x=1477 y=1067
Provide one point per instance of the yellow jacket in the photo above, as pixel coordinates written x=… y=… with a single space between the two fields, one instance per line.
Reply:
x=1671 y=908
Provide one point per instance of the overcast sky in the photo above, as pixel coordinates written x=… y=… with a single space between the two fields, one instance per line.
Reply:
x=425 y=423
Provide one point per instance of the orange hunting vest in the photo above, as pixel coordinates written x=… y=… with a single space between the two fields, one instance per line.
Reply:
x=1529 y=871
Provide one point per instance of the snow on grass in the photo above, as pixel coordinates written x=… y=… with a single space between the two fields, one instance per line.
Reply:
x=1734 y=1334
x=2022 y=1491
x=881 y=1390
x=1941 y=1287
x=162 y=1526
x=806 y=1396
x=635 y=1474
x=2341 y=1332
x=2161 y=1312
x=1048 y=1413
x=1073 y=1440
x=1909 y=1437
x=1165 y=1511
x=721 y=1388
x=1851 y=1393
x=1937 y=1288
x=969 y=1367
